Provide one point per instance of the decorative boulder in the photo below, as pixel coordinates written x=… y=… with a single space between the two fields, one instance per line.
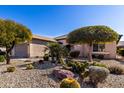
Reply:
x=61 y=74
x=98 y=74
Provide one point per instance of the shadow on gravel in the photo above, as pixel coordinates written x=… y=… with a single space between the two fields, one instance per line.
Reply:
x=45 y=65
x=53 y=78
x=3 y=72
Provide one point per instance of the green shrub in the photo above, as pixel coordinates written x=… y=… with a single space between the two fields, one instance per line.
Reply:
x=74 y=54
x=84 y=75
x=96 y=59
x=121 y=52
x=46 y=57
x=69 y=83
x=29 y=66
x=2 y=58
x=11 y=69
x=98 y=56
x=116 y=70
x=78 y=67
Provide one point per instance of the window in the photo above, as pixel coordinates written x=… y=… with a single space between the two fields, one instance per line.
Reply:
x=98 y=47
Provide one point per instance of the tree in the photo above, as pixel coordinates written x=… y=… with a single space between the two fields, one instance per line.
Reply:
x=119 y=37
x=57 y=50
x=92 y=34
x=12 y=33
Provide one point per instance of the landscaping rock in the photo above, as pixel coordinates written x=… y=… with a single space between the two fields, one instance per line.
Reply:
x=61 y=74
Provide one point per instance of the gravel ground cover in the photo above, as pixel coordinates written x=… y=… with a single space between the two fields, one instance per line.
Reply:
x=112 y=81
x=41 y=76
x=35 y=78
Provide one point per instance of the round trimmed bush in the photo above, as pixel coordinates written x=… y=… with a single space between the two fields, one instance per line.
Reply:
x=74 y=54
x=46 y=57
x=116 y=70
x=29 y=66
x=11 y=69
x=69 y=83
x=2 y=58
x=98 y=74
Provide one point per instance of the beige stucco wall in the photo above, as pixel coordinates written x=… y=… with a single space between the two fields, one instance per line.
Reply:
x=33 y=49
x=84 y=49
x=37 y=48
x=111 y=49
x=21 y=50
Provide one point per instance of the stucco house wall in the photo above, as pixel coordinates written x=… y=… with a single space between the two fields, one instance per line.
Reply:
x=21 y=51
x=37 y=48
x=110 y=48
x=33 y=49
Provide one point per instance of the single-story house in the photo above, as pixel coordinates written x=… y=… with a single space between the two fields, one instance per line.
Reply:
x=108 y=50
x=35 y=48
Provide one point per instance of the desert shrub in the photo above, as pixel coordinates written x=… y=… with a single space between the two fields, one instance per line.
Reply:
x=96 y=59
x=41 y=62
x=98 y=56
x=116 y=70
x=74 y=54
x=46 y=57
x=97 y=74
x=11 y=69
x=37 y=56
x=29 y=66
x=85 y=74
x=121 y=52
x=78 y=67
x=2 y=58
x=69 y=83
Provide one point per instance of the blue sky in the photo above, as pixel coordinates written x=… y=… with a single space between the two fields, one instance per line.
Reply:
x=59 y=20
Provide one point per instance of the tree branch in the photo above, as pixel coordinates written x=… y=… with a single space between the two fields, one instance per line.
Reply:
x=8 y=50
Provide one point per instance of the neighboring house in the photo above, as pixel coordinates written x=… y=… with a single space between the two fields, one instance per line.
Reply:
x=108 y=50
x=120 y=44
x=35 y=48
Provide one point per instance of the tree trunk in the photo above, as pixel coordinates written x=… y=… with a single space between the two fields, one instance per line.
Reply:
x=90 y=53
x=8 y=50
x=7 y=58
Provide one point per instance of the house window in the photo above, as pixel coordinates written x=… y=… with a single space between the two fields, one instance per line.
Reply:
x=98 y=47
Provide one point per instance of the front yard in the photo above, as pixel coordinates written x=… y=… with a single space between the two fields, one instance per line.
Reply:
x=41 y=76
x=38 y=78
